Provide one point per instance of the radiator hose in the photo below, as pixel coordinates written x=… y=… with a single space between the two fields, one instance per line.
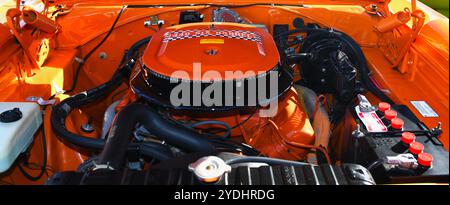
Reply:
x=62 y=110
x=124 y=123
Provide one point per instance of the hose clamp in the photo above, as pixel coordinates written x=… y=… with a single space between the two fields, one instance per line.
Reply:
x=97 y=167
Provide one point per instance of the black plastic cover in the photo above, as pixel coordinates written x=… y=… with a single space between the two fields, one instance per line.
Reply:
x=345 y=174
x=11 y=115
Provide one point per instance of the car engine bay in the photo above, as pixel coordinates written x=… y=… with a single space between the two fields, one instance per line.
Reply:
x=218 y=99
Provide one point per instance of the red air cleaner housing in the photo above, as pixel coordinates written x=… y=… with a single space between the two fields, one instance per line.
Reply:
x=206 y=53
x=218 y=47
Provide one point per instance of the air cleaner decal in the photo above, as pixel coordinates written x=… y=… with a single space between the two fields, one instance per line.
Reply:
x=198 y=33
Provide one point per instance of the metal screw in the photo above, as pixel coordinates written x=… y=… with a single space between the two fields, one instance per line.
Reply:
x=212 y=52
x=87 y=127
x=102 y=55
x=438 y=127
x=374 y=7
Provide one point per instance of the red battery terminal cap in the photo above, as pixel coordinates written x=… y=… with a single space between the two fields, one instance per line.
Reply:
x=425 y=159
x=408 y=137
x=383 y=106
x=390 y=114
x=416 y=148
x=397 y=123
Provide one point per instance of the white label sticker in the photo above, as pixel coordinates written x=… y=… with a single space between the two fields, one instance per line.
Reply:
x=371 y=120
x=424 y=109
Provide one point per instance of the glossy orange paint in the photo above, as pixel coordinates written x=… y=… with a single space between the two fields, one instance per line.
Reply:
x=290 y=125
x=394 y=21
x=40 y=21
x=13 y=21
x=422 y=74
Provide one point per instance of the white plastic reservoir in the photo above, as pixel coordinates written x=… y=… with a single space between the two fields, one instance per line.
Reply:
x=15 y=137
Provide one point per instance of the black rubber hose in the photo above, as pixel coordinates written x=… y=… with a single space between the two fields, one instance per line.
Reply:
x=62 y=110
x=130 y=57
x=156 y=150
x=136 y=46
x=124 y=123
